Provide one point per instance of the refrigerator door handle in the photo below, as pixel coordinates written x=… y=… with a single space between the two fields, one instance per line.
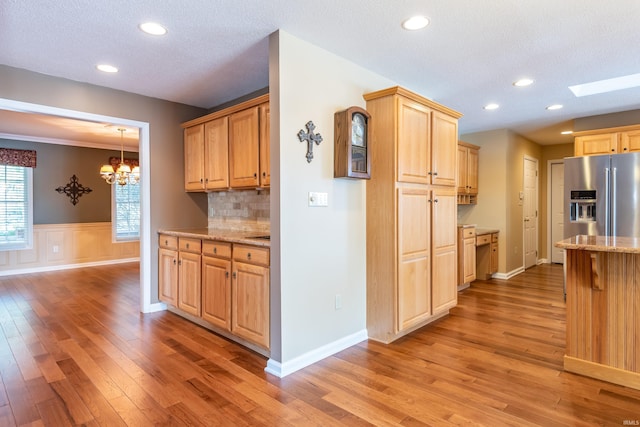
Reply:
x=614 y=212
x=607 y=202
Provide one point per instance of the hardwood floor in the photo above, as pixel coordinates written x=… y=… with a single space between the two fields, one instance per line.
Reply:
x=75 y=351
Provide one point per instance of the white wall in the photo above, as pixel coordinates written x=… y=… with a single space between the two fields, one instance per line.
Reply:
x=320 y=251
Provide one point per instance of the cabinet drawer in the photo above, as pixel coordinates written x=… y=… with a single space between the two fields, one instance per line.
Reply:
x=468 y=232
x=494 y=238
x=168 y=242
x=251 y=254
x=483 y=239
x=189 y=245
x=216 y=249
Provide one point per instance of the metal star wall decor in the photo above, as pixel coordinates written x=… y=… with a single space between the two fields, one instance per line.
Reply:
x=74 y=190
x=310 y=138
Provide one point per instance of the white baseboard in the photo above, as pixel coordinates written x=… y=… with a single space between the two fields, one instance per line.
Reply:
x=154 y=307
x=509 y=275
x=281 y=370
x=67 y=266
x=543 y=261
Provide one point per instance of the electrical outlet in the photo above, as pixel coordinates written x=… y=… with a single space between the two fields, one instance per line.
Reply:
x=55 y=249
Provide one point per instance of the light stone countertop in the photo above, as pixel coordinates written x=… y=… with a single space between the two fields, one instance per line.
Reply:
x=481 y=231
x=222 y=235
x=629 y=245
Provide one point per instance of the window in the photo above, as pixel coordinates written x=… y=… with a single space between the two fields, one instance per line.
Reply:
x=16 y=207
x=126 y=202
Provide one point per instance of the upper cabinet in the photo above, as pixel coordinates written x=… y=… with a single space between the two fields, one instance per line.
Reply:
x=607 y=141
x=467 y=181
x=229 y=148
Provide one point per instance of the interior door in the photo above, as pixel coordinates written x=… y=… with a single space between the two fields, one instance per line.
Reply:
x=557 y=210
x=530 y=212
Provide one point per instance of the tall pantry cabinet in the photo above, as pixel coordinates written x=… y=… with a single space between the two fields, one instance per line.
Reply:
x=411 y=213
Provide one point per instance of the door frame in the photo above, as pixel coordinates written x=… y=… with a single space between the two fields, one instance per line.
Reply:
x=146 y=306
x=537 y=204
x=549 y=210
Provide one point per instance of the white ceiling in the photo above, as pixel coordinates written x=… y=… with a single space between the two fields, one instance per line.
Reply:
x=470 y=54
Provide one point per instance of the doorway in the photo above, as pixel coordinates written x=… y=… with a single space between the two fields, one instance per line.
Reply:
x=145 y=178
x=556 y=209
x=530 y=211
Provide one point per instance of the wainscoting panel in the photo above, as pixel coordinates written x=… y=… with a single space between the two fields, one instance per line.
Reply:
x=67 y=246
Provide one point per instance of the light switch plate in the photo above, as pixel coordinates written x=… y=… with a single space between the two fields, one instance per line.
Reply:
x=318 y=199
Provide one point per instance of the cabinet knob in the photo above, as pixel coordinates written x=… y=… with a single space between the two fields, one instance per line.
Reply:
x=174 y=261
x=200 y=180
x=234 y=275
x=435 y=201
x=215 y=250
x=255 y=175
x=187 y=246
x=249 y=255
x=435 y=174
x=264 y=174
x=166 y=242
x=625 y=148
x=613 y=149
x=226 y=274
x=180 y=262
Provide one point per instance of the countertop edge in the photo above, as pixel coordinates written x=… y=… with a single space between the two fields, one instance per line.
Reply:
x=220 y=235
x=630 y=245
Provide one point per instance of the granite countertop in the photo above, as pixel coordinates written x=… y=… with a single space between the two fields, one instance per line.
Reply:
x=466 y=225
x=629 y=245
x=222 y=235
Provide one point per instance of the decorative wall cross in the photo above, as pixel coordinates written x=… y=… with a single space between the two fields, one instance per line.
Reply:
x=74 y=190
x=310 y=138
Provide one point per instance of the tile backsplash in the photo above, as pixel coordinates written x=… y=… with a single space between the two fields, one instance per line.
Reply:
x=243 y=210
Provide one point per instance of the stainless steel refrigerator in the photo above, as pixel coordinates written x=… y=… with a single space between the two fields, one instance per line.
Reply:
x=602 y=194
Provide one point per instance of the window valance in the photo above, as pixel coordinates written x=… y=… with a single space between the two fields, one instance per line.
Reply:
x=14 y=157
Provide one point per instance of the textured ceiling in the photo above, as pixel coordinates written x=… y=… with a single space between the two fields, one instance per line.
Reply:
x=468 y=56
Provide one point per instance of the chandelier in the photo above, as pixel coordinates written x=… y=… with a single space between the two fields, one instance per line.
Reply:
x=123 y=174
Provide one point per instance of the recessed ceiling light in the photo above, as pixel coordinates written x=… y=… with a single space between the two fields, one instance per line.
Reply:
x=491 y=106
x=153 y=28
x=107 y=68
x=415 y=23
x=607 y=85
x=566 y=132
x=554 y=107
x=523 y=82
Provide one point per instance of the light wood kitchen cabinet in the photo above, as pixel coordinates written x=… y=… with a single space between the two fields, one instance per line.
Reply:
x=265 y=145
x=244 y=161
x=250 y=294
x=216 y=283
x=444 y=241
x=411 y=240
x=466 y=255
x=168 y=269
x=444 y=142
x=467 y=182
x=414 y=263
x=618 y=140
x=493 y=264
x=229 y=148
x=189 y=270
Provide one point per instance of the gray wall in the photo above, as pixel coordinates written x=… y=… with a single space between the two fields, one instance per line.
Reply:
x=170 y=205
x=55 y=166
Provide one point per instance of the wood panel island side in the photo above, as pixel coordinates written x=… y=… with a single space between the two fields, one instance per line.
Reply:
x=603 y=308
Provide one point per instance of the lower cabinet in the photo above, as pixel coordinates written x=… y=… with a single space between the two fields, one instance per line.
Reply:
x=224 y=284
x=466 y=255
x=487 y=255
x=250 y=294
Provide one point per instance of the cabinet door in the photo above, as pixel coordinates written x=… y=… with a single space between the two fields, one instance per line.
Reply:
x=194 y=158
x=469 y=272
x=216 y=291
x=189 y=283
x=250 y=303
x=461 y=182
x=413 y=151
x=444 y=250
x=630 y=141
x=216 y=152
x=472 y=171
x=168 y=276
x=444 y=142
x=265 y=146
x=589 y=145
x=414 y=266
x=493 y=265
x=243 y=148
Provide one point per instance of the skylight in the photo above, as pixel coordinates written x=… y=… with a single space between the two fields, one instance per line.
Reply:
x=608 y=85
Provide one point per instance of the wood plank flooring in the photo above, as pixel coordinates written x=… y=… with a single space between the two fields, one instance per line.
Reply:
x=75 y=351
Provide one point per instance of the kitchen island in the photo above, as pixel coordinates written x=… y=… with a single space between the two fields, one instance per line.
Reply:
x=603 y=308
